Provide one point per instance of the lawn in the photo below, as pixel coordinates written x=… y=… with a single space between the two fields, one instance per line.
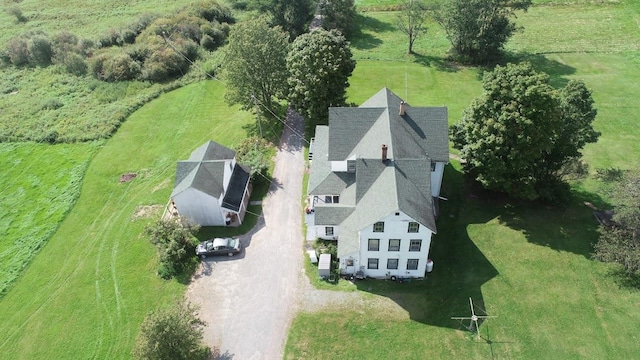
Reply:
x=528 y=264
x=88 y=289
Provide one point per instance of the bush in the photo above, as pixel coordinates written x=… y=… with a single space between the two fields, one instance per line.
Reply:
x=18 y=51
x=174 y=333
x=128 y=36
x=15 y=11
x=40 y=51
x=116 y=67
x=52 y=104
x=254 y=152
x=73 y=64
x=211 y=10
x=175 y=244
x=163 y=64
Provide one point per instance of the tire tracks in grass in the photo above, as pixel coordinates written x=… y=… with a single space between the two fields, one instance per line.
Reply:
x=56 y=278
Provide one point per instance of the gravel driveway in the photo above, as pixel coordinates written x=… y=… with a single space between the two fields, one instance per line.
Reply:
x=248 y=301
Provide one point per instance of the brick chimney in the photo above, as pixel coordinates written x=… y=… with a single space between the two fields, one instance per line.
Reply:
x=384 y=152
x=403 y=107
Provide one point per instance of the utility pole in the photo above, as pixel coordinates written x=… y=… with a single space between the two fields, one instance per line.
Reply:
x=255 y=102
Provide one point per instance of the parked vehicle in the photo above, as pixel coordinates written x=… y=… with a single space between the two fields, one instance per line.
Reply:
x=218 y=246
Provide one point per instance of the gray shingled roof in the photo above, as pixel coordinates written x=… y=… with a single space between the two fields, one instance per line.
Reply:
x=204 y=171
x=402 y=183
x=363 y=130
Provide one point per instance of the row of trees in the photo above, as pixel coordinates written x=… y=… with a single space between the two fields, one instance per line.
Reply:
x=261 y=66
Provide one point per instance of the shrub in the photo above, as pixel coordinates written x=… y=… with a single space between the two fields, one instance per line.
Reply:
x=211 y=10
x=175 y=244
x=52 y=104
x=15 y=11
x=208 y=43
x=163 y=64
x=128 y=36
x=18 y=52
x=40 y=51
x=173 y=333
x=114 y=66
x=74 y=64
x=254 y=152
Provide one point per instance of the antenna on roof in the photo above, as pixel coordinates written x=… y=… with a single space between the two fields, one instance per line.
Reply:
x=473 y=319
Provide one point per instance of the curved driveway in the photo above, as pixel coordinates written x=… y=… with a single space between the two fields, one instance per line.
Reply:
x=248 y=301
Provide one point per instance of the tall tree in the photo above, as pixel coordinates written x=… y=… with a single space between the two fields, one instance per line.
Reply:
x=411 y=20
x=338 y=14
x=254 y=64
x=478 y=29
x=620 y=243
x=319 y=64
x=291 y=15
x=171 y=334
x=518 y=135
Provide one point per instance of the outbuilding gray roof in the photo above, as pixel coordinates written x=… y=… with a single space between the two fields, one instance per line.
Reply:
x=204 y=171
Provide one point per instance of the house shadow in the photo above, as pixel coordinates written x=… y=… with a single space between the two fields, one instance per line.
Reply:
x=460 y=267
x=367 y=41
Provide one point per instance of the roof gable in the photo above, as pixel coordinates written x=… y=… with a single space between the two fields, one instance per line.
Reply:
x=211 y=150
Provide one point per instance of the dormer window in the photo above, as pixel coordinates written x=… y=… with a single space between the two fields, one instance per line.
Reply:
x=332 y=199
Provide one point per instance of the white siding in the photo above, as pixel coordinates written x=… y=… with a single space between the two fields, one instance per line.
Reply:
x=436 y=179
x=199 y=207
x=395 y=227
x=321 y=231
x=339 y=166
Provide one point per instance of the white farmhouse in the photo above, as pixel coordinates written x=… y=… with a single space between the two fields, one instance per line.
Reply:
x=375 y=180
x=211 y=188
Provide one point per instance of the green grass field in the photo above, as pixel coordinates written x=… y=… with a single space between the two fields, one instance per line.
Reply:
x=88 y=289
x=529 y=265
x=86 y=292
x=39 y=185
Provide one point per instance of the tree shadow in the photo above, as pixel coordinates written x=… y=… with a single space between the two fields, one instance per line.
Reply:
x=556 y=70
x=460 y=268
x=366 y=41
x=440 y=63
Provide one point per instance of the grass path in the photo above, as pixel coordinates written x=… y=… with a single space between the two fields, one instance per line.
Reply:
x=89 y=288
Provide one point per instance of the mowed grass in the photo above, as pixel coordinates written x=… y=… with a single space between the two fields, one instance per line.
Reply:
x=530 y=265
x=38 y=186
x=86 y=293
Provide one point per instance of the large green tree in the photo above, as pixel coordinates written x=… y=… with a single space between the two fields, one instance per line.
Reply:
x=254 y=64
x=620 y=242
x=519 y=134
x=174 y=333
x=411 y=19
x=293 y=16
x=478 y=29
x=176 y=245
x=319 y=65
x=339 y=14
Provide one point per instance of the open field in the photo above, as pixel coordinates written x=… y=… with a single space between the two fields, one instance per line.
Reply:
x=530 y=265
x=39 y=185
x=88 y=289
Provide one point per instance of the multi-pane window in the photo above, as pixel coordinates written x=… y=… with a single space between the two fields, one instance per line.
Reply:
x=412 y=264
x=415 y=245
x=332 y=199
x=328 y=230
x=374 y=244
x=413 y=227
x=394 y=244
x=392 y=264
x=378 y=227
x=372 y=263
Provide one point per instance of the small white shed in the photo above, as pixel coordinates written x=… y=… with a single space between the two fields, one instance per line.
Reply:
x=324 y=266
